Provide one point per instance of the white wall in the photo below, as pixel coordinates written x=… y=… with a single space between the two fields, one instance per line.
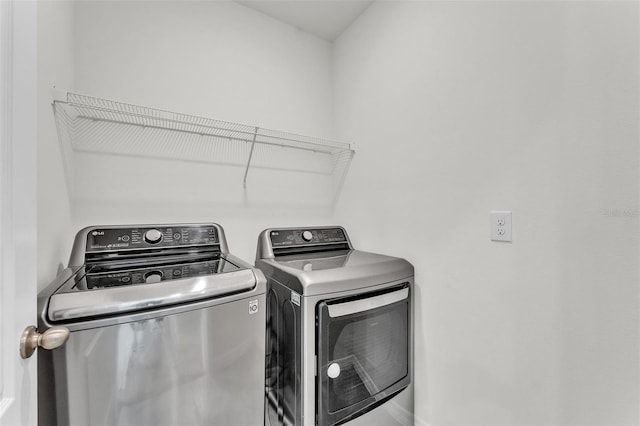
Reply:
x=212 y=59
x=460 y=108
x=55 y=67
x=217 y=59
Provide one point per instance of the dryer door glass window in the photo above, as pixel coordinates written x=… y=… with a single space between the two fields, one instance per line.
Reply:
x=363 y=353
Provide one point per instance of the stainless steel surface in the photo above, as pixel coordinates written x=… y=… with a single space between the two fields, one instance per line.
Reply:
x=357 y=265
x=398 y=411
x=316 y=277
x=203 y=367
x=67 y=306
x=188 y=351
x=50 y=339
x=82 y=324
x=360 y=305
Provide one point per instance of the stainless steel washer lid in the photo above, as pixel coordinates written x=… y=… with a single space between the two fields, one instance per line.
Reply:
x=118 y=271
x=117 y=300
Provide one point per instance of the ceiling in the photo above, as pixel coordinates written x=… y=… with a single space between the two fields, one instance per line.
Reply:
x=326 y=19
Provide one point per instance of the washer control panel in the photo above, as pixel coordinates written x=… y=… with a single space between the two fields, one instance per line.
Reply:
x=147 y=237
x=295 y=237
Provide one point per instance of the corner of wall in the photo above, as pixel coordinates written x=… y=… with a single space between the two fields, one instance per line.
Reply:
x=55 y=67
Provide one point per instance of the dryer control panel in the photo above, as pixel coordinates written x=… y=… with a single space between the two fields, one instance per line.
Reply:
x=295 y=237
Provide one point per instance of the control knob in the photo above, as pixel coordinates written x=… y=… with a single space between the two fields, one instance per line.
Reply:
x=153 y=236
x=152 y=277
x=307 y=236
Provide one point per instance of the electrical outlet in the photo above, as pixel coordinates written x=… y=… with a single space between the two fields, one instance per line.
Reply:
x=501 y=226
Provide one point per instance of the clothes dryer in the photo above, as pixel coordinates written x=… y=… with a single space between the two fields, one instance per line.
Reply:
x=339 y=331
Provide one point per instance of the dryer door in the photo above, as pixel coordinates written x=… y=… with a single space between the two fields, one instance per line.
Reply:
x=363 y=352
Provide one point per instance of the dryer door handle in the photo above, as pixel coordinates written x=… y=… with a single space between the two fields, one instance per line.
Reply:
x=367 y=304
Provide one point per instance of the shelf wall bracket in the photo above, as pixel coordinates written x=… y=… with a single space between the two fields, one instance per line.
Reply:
x=246 y=170
x=58 y=95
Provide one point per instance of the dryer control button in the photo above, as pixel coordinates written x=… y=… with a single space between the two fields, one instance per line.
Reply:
x=152 y=236
x=334 y=370
x=307 y=236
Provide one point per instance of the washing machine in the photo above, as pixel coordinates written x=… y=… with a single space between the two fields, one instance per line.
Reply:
x=165 y=327
x=339 y=331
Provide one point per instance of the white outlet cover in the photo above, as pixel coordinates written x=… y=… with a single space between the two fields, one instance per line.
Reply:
x=501 y=226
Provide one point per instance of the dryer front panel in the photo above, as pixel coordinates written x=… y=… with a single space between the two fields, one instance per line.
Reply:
x=363 y=347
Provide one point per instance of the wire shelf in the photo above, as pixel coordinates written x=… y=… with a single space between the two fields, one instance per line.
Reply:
x=91 y=125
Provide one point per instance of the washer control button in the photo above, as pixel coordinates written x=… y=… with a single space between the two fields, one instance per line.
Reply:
x=153 y=236
x=307 y=236
x=152 y=277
